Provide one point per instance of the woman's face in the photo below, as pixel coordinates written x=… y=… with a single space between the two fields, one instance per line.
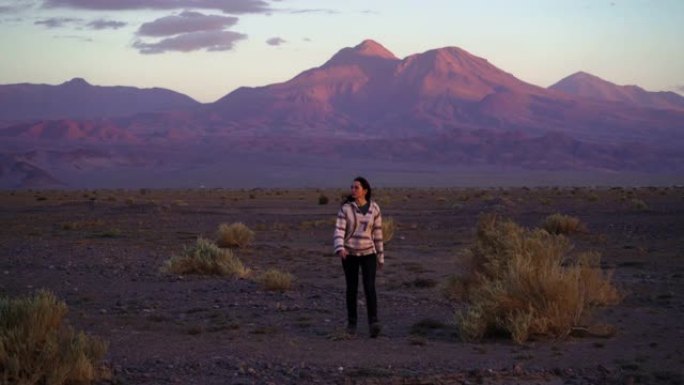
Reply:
x=357 y=191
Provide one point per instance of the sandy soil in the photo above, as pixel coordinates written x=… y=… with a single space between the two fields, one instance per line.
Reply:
x=100 y=251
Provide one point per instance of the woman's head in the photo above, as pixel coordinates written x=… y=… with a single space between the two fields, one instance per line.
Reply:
x=360 y=188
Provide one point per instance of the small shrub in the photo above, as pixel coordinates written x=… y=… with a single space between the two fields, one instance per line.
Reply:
x=37 y=348
x=563 y=224
x=234 y=235
x=276 y=280
x=204 y=257
x=388 y=229
x=525 y=283
x=323 y=199
x=638 y=204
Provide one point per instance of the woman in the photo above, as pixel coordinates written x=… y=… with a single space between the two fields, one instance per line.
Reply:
x=358 y=243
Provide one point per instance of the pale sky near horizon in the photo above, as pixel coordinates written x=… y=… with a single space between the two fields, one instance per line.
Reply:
x=207 y=48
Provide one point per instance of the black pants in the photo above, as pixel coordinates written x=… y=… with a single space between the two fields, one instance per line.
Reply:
x=368 y=264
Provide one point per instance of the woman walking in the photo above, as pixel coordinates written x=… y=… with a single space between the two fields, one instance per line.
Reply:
x=358 y=243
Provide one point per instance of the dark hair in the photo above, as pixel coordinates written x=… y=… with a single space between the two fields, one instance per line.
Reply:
x=366 y=186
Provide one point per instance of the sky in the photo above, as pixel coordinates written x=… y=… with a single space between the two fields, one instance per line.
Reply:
x=207 y=48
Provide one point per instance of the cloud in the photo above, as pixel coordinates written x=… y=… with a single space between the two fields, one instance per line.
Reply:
x=18 y=6
x=315 y=10
x=105 y=24
x=275 y=41
x=56 y=22
x=680 y=88
x=186 y=22
x=193 y=41
x=74 y=37
x=60 y=22
x=227 y=6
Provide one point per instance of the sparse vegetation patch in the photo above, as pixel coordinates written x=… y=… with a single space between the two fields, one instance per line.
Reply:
x=276 y=280
x=37 y=347
x=204 y=257
x=526 y=283
x=234 y=235
x=563 y=224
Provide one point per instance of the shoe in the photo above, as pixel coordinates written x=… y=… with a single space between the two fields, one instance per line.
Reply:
x=375 y=329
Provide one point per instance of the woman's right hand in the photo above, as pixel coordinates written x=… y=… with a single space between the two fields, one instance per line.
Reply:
x=342 y=254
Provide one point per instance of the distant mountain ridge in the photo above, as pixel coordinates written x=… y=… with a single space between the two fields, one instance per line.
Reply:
x=78 y=99
x=438 y=109
x=592 y=87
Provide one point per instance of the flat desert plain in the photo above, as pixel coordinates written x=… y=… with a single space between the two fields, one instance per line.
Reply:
x=101 y=252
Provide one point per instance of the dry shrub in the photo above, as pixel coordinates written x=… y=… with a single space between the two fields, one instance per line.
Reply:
x=37 y=348
x=276 y=280
x=563 y=224
x=638 y=204
x=234 y=235
x=388 y=229
x=525 y=283
x=453 y=288
x=204 y=257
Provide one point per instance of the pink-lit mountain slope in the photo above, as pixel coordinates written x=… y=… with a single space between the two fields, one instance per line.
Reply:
x=592 y=87
x=367 y=90
x=77 y=99
x=443 y=108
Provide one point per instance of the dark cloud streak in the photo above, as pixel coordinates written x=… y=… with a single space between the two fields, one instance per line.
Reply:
x=193 y=41
x=57 y=22
x=186 y=22
x=105 y=24
x=275 y=41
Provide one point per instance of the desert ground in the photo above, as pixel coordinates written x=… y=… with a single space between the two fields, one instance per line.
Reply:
x=101 y=252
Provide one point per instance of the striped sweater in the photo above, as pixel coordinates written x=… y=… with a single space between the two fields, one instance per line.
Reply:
x=360 y=234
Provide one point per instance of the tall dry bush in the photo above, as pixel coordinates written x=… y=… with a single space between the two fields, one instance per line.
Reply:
x=527 y=283
x=234 y=235
x=204 y=257
x=389 y=227
x=563 y=224
x=36 y=347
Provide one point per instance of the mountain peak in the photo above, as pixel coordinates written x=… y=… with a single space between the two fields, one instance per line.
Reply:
x=582 y=78
x=76 y=82
x=585 y=76
x=593 y=87
x=367 y=51
x=370 y=47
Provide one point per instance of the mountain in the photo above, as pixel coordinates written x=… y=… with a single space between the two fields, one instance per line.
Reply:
x=592 y=87
x=77 y=99
x=365 y=90
x=363 y=109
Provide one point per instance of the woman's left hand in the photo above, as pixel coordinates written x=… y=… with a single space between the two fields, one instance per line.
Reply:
x=381 y=265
